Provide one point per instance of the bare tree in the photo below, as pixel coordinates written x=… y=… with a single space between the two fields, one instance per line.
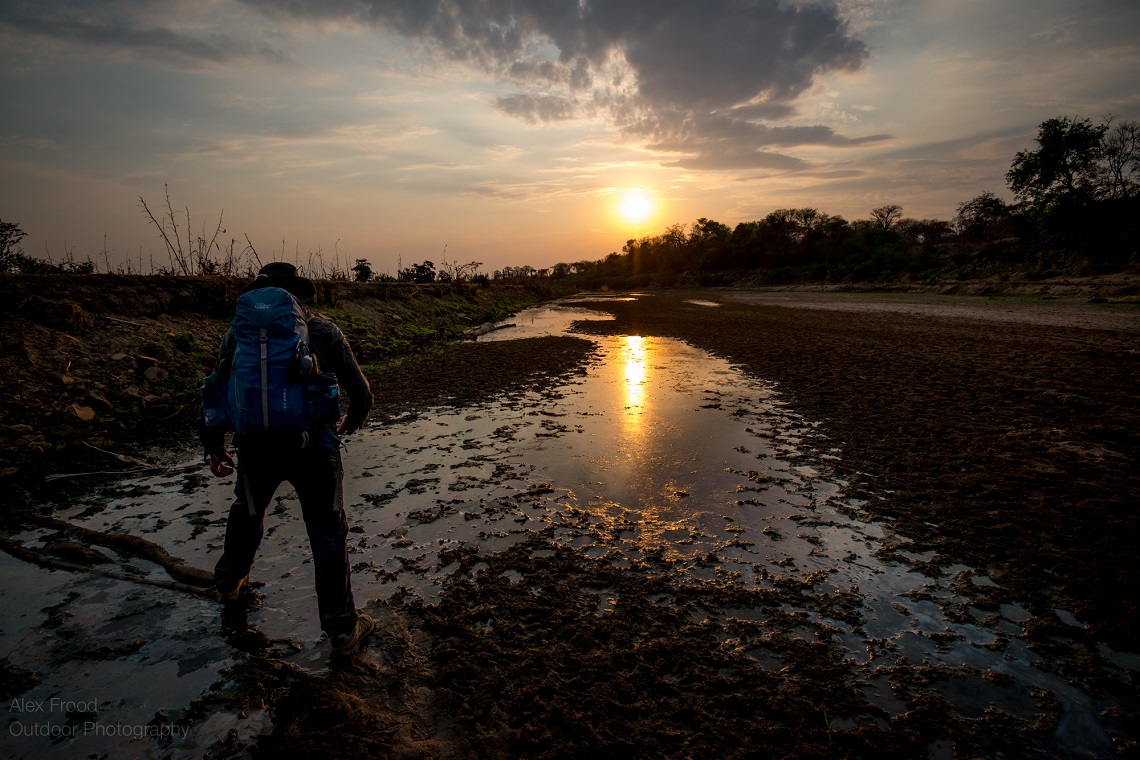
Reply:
x=886 y=216
x=1121 y=158
x=195 y=256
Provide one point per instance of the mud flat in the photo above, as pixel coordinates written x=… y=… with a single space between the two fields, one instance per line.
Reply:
x=683 y=525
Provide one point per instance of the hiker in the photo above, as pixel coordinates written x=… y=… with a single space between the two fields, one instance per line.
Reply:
x=309 y=460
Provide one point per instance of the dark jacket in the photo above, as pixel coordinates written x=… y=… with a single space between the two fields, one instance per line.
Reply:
x=333 y=355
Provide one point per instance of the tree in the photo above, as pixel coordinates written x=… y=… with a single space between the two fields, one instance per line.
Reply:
x=10 y=251
x=418 y=273
x=1122 y=160
x=526 y=272
x=1065 y=168
x=886 y=216
x=363 y=270
x=978 y=216
x=14 y=260
x=706 y=232
x=778 y=233
x=924 y=232
x=709 y=242
x=459 y=272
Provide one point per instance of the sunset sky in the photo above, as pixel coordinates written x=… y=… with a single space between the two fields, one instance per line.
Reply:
x=511 y=132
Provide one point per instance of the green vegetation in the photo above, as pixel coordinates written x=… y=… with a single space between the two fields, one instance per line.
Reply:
x=362 y=271
x=188 y=343
x=156 y=349
x=382 y=328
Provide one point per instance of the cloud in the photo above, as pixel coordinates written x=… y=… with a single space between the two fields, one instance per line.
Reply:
x=538 y=108
x=710 y=85
x=840 y=174
x=655 y=67
x=672 y=134
x=520 y=191
x=726 y=142
x=708 y=55
x=126 y=27
x=35 y=143
x=736 y=159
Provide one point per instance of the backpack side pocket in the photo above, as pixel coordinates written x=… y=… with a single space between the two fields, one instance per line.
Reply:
x=216 y=403
x=322 y=398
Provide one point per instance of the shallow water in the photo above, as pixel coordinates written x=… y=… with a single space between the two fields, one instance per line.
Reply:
x=658 y=450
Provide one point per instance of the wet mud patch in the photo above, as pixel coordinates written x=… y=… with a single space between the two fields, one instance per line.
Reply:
x=546 y=652
x=543 y=651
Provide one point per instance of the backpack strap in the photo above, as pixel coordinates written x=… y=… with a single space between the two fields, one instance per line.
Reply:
x=265 y=378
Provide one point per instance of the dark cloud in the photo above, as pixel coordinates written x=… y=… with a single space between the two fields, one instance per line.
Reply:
x=673 y=133
x=707 y=55
x=700 y=79
x=714 y=55
x=764 y=111
x=724 y=141
x=124 y=26
x=538 y=108
x=704 y=75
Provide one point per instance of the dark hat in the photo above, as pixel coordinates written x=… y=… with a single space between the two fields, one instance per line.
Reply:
x=280 y=274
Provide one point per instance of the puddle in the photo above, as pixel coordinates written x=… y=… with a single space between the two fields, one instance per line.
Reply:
x=661 y=455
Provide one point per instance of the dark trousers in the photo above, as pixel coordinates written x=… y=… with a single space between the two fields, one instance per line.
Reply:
x=316 y=475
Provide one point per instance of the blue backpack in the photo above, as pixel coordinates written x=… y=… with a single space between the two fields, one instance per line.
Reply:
x=272 y=384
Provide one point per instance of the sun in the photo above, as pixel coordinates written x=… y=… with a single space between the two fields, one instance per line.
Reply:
x=634 y=207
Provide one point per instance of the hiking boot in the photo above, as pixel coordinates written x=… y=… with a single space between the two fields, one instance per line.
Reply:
x=235 y=593
x=348 y=644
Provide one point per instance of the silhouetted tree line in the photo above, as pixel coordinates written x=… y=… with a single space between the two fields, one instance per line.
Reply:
x=13 y=259
x=424 y=272
x=1076 y=208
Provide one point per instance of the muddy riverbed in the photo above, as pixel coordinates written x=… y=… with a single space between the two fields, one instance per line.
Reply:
x=650 y=526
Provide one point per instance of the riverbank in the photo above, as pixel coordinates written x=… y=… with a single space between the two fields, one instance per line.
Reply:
x=103 y=370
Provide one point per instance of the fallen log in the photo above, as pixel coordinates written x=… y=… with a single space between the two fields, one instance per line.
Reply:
x=134 y=546
x=483 y=329
x=19 y=551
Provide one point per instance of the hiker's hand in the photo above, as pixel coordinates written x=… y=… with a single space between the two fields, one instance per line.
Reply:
x=342 y=425
x=222 y=464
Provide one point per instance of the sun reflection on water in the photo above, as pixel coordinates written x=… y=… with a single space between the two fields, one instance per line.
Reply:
x=635 y=365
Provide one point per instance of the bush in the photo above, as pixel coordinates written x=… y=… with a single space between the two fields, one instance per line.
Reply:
x=186 y=342
x=781 y=276
x=960 y=257
x=155 y=350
